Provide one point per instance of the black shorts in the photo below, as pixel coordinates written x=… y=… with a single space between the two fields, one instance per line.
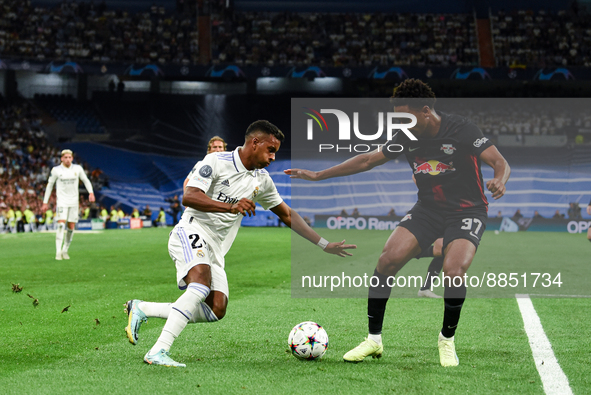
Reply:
x=428 y=224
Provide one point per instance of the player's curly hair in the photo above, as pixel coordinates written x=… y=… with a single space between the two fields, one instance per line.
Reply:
x=265 y=127
x=415 y=89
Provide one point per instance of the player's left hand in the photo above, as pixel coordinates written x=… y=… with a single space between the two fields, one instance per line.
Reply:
x=91 y=197
x=302 y=174
x=496 y=187
x=337 y=248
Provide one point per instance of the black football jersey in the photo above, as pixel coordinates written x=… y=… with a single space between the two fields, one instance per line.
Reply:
x=447 y=166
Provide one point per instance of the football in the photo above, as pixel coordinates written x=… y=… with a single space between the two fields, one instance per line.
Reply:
x=308 y=340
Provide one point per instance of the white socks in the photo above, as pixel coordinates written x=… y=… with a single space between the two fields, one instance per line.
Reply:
x=69 y=235
x=375 y=338
x=182 y=311
x=162 y=310
x=159 y=310
x=59 y=237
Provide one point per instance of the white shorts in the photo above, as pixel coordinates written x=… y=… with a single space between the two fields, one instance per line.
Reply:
x=69 y=214
x=188 y=248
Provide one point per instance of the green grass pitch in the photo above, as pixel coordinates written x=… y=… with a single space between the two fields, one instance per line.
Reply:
x=84 y=350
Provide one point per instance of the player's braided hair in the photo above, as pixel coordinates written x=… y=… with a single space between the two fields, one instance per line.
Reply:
x=265 y=127
x=419 y=92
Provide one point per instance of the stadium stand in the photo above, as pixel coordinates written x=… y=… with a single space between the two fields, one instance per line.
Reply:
x=542 y=39
x=84 y=31
x=66 y=109
x=81 y=31
x=286 y=38
x=26 y=157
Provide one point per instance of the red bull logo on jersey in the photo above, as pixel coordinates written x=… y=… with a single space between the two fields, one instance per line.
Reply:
x=432 y=167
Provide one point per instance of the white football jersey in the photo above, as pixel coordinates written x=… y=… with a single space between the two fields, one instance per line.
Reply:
x=223 y=177
x=66 y=180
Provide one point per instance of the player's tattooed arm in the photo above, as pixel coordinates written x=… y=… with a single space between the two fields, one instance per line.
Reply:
x=492 y=157
x=197 y=199
x=292 y=219
x=357 y=164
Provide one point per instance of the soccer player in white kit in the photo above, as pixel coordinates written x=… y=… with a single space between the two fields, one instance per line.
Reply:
x=66 y=178
x=223 y=189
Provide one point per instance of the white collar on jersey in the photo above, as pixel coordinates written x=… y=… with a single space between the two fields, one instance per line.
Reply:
x=239 y=165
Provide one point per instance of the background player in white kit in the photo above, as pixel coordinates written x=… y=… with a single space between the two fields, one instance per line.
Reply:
x=66 y=177
x=223 y=189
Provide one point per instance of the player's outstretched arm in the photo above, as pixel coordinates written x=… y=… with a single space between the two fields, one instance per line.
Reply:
x=357 y=164
x=197 y=199
x=87 y=185
x=292 y=219
x=48 y=189
x=492 y=157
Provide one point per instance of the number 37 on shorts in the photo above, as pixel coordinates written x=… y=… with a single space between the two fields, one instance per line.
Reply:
x=474 y=226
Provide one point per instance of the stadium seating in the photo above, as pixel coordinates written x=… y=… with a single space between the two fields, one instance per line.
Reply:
x=70 y=110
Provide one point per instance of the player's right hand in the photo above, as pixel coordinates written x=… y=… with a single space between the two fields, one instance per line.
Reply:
x=44 y=207
x=302 y=174
x=243 y=207
x=337 y=248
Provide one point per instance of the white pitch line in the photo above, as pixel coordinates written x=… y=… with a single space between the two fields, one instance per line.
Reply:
x=553 y=378
x=562 y=296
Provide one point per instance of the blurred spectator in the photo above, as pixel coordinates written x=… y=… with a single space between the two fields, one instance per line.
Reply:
x=175 y=208
x=104 y=214
x=30 y=220
x=114 y=215
x=147 y=212
x=392 y=212
x=161 y=220
x=499 y=214
x=355 y=212
x=20 y=222
x=344 y=213
x=537 y=214
x=517 y=215
x=574 y=211
x=557 y=215
x=120 y=88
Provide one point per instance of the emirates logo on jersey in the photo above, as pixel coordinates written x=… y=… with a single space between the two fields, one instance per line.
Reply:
x=222 y=197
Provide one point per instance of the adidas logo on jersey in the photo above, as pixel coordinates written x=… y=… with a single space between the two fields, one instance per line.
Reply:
x=226 y=183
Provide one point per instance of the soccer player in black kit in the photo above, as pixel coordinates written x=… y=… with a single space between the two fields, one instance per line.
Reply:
x=445 y=161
